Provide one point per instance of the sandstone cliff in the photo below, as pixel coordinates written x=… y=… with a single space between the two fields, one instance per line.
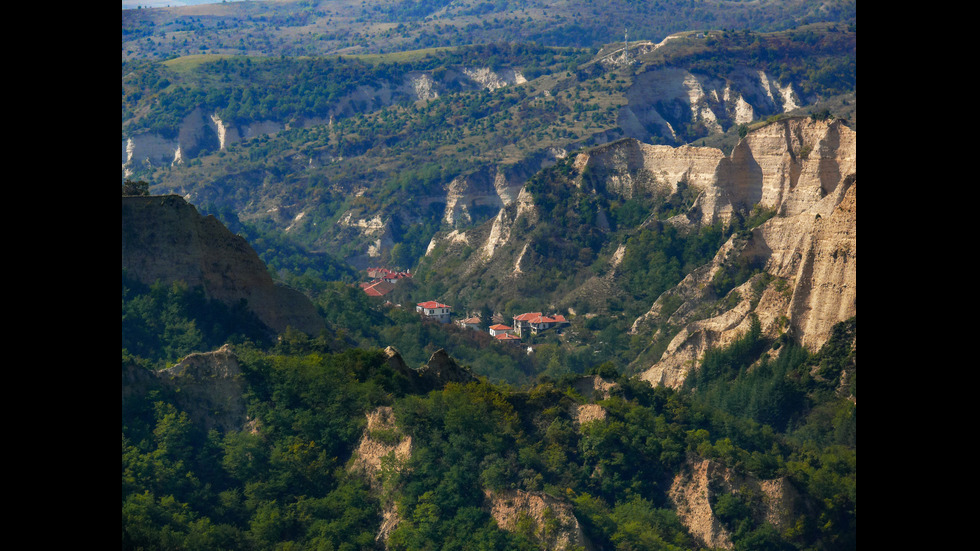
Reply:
x=551 y=520
x=165 y=239
x=700 y=482
x=805 y=172
x=467 y=200
x=665 y=102
x=382 y=452
x=800 y=171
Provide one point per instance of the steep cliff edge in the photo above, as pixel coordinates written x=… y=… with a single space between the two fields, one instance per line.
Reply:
x=165 y=239
x=805 y=172
x=675 y=106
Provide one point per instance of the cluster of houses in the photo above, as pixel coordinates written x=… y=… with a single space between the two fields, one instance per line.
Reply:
x=383 y=281
x=530 y=323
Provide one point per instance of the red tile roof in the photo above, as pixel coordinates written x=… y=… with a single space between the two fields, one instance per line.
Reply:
x=378 y=289
x=557 y=318
x=500 y=327
x=528 y=316
x=432 y=304
x=506 y=337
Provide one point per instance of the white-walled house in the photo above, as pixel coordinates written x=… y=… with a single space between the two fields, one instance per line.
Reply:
x=469 y=323
x=508 y=338
x=434 y=310
x=535 y=323
x=500 y=329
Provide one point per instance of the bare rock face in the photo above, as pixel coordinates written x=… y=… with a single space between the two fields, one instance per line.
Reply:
x=805 y=172
x=586 y=413
x=691 y=495
x=700 y=481
x=468 y=192
x=554 y=524
x=594 y=387
x=632 y=168
x=380 y=440
x=165 y=239
x=382 y=448
x=211 y=389
x=442 y=369
x=663 y=101
x=208 y=386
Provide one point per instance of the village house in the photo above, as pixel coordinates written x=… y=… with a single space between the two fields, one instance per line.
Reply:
x=522 y=322
x=534 y=323
x=469 y=323
x=382 y=281
x=500 y=329
x=544 y=323
x=508 y=338
x=385 y=274
x=377 y=288
x=434 y=310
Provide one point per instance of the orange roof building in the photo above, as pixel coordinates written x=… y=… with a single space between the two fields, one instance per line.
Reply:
x=469 y=323
x=500 y=329
x=378 y=288
x=535 y=322
x=508 y=338
x=434 y=310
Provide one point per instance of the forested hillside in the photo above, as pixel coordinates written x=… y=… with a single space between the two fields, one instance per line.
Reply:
x=285 y=477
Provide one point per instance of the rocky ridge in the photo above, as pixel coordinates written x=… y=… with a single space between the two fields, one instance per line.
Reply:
x=208 y=386
x=553 y=521
x=663 y=102
x=382 y=447
x=165 y=239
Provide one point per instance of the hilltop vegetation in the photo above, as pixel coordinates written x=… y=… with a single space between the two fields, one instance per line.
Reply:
x=242 y=89
x=311 y=27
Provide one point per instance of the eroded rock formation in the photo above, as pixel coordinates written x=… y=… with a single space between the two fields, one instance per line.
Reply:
x=208 y=386
x=697 y=486
x=553 y=523
x=800 y=172
x=805 y=172
x=663 y=102
x=381 y=452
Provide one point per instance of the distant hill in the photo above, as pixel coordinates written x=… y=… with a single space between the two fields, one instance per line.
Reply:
x=322 y=27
